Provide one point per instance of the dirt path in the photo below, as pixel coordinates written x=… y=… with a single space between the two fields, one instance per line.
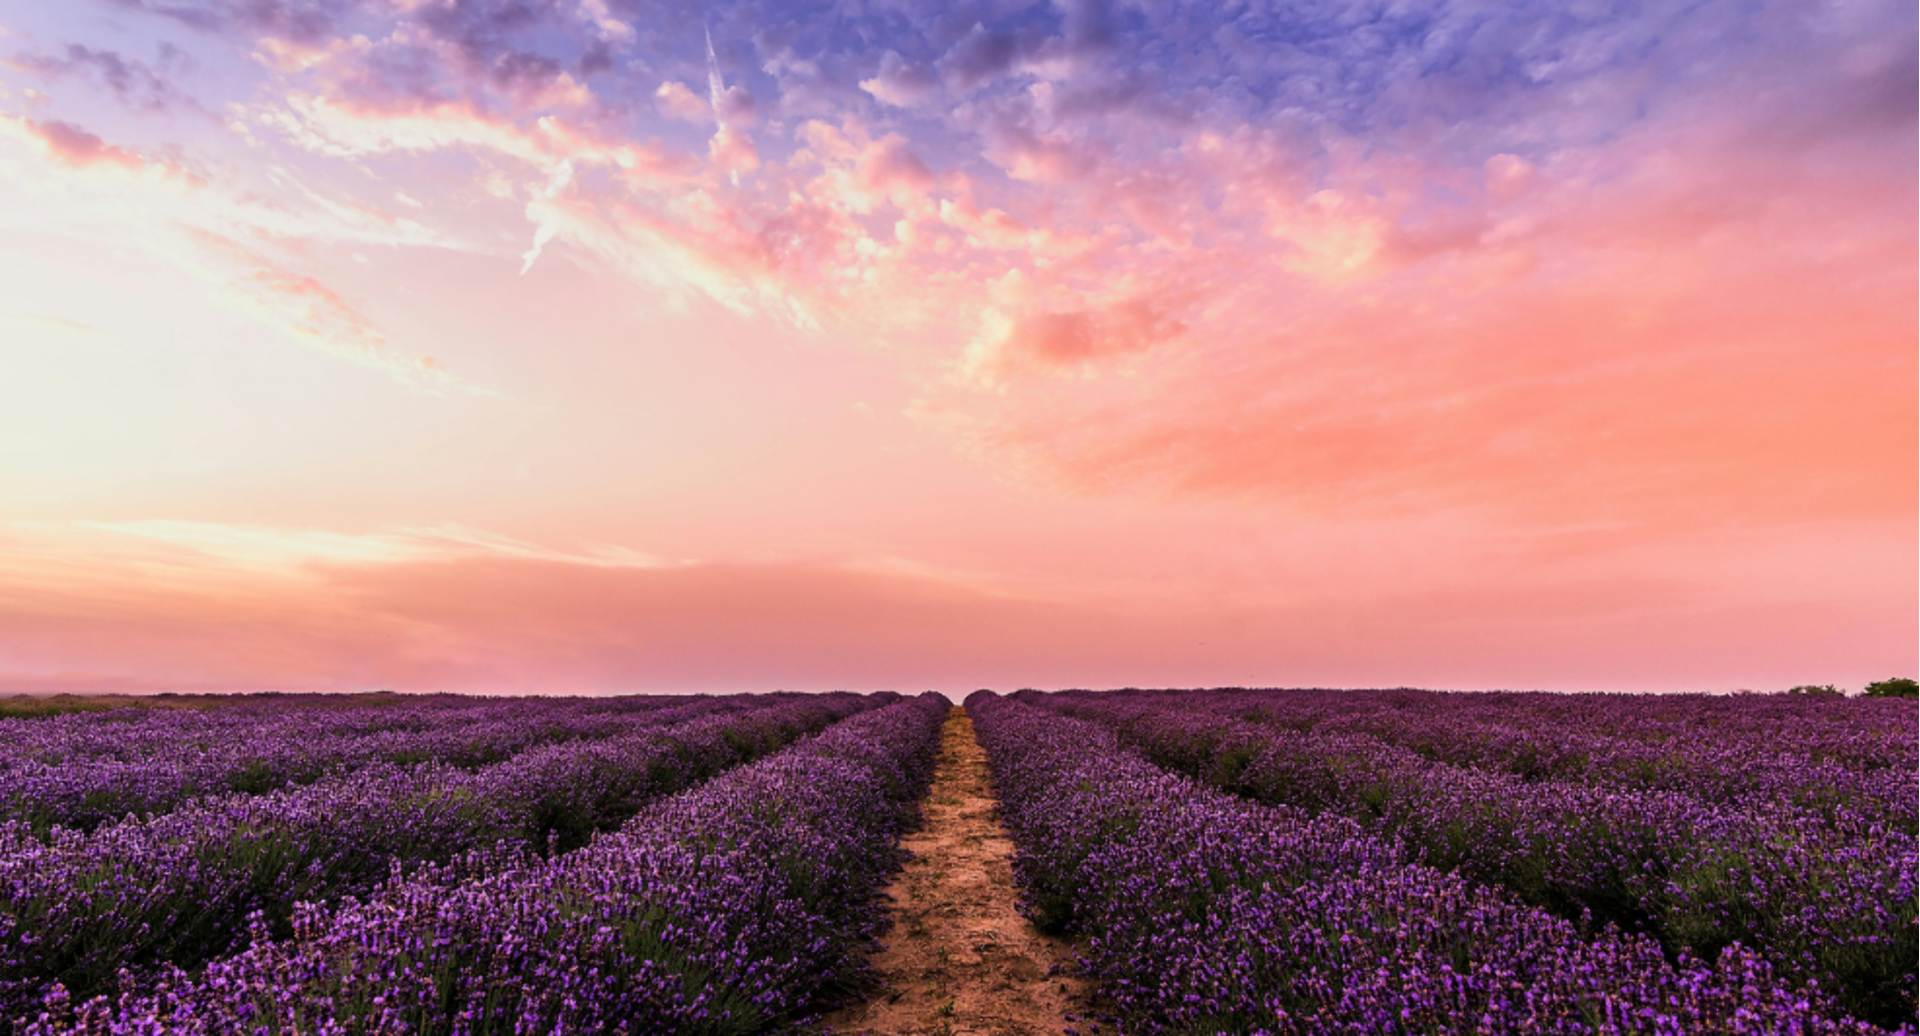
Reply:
x=960 y=959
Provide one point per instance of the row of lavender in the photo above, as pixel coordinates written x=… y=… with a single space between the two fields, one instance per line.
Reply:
x=77 y=907
x=743 y=905
x=1827 y=896
x=1828 y=754
x=83 y=769
x=1203 y=912
x=1847 y=764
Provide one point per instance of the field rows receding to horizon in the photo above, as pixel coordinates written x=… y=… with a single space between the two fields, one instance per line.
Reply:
x=1179 y=862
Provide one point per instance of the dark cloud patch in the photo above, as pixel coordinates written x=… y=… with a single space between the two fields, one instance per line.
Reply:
x=1140 y=92
x=806 y=81
x=393 y=75
x=1459 y=81
x=738 y=107
x=521 y=71
x=983 y=55
x=135 y=83
x=487 y=54
x=899 y=83
x=202 y=18
x=1868 y=92
x=596 y=59
x=480 y=28
x=492 y=39
x=301 y=21
x=1089 y=25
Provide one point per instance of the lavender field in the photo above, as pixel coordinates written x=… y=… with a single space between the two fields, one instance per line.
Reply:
x=1357 y=862
x=1227 y=861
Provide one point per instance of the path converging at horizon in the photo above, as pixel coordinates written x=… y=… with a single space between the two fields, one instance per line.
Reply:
x=960 y=960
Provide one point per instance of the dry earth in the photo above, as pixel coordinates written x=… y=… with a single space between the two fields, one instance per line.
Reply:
x=960 y=959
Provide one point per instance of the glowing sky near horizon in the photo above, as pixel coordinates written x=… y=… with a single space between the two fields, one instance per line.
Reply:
x=606 y=345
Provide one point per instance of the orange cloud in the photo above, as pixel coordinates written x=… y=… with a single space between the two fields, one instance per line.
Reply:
x=1609 y=337
x=197 y=607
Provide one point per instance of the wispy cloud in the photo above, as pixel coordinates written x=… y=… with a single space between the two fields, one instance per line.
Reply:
x=62 y=324
x=307 y=310
x=200 y=226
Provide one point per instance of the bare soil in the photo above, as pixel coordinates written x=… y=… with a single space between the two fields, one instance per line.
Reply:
x=960 y=960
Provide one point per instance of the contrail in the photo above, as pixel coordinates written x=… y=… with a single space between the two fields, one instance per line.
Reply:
x=716 y=88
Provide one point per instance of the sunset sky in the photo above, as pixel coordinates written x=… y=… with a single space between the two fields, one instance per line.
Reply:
x=604 y=345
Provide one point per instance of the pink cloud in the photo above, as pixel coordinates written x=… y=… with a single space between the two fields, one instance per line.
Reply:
x=1508 y=177
x=1051 y=339
x=73 y=147
x=676 y=101
x=890 y=166
x=732 y=151
x=1699 y=373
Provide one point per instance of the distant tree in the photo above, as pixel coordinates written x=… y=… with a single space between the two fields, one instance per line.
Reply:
x=1825 y=690
x=1898 y=687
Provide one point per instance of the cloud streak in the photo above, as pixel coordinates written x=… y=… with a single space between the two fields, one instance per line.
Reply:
x=308 y=311
x=133 y=606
